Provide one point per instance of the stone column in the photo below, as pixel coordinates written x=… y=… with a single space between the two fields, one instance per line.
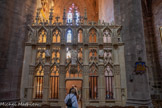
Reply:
x=30 y=83
x=122 y=73
x=33 y=56
x=117 y=80
x=46 y=84
x=75 y=36
x=101 y=84
x=25 y=72
x=31 y=75
x=62 y=85
x=85 y=88
x=62 y=76
x=133 y=37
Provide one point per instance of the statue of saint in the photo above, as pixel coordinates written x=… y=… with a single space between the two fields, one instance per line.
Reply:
x=30 y=36
x=107 y=37
x=109 y=57
x=101 y=55
x=74 y=56
x=47 y=53
x=44 y=10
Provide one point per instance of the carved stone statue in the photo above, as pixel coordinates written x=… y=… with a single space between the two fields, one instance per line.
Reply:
x=47 y=53
x=44 y=10
x=74 y=56
x=107 y=37
x=109 y=57
x=101 y=55
x=30 y=36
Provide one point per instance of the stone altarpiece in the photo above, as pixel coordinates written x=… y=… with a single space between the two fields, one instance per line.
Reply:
x=88 y=51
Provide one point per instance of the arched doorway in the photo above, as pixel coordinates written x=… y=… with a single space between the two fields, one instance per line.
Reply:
x=78 y=85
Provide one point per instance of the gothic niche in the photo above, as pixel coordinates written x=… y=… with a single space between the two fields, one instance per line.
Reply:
x=74 y=62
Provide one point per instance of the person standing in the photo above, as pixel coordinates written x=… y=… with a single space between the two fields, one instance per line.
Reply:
x=71 y=99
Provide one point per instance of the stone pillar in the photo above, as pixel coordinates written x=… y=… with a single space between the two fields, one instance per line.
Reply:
x=101 y=84
x=85 y=88
x=122 y=73
x=133 y=37
x=31 y=74
x=75 y=36
x=30 y=83
x=62 y=86
x=62 y=76
x=46 y=84
x=25 y=72
x=33 y=55
x=117 y=80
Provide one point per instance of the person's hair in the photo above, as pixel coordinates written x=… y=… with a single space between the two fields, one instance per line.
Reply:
x=73 y=91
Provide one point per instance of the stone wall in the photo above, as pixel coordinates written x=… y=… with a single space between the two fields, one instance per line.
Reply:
x=106 y=10
x=14 y=17
x=90 y=5
x=157 y=19
x=157 y=23
x=150 y=43
x=151 y=31
x=128 y=13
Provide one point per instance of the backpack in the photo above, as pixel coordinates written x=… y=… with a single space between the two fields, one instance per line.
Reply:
x=69 y=102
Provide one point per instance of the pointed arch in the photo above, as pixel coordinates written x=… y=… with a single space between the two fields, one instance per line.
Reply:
x=69 y=35
x=80 y=35
x=40 y=55
x=54 y=82
x=54 y=74
x=109 y=75
x=93 y=74
x=38 y=82
x=107 y=35
x=55 y=55
x=56 y=35
x=42 y=35
x=93 y=35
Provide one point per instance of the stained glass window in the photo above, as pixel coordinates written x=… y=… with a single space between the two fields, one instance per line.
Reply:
x=93 y=77
x=42 y=36
x=70 y=14
x=56 y=36
x=80 y=36
x=38 y=82
x=109 y=77
x=69 y=36
x=92 y=36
